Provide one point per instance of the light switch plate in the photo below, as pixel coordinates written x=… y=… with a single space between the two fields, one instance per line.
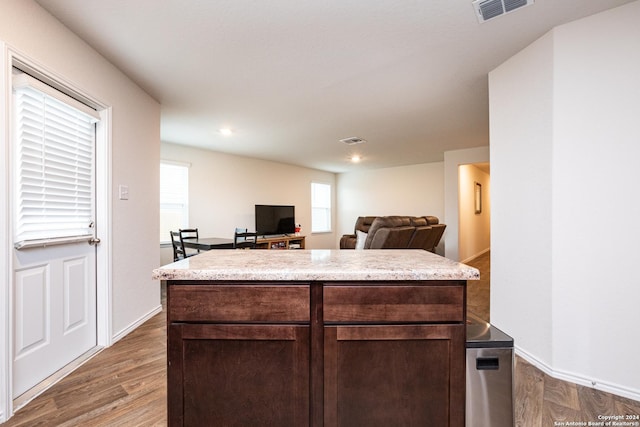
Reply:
x=124 y=192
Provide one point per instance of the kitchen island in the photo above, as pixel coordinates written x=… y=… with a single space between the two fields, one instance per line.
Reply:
x=316 y=337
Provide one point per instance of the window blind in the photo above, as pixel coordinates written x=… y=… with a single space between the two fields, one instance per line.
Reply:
x=320 y=207
x=55 y=145
x=174 y=198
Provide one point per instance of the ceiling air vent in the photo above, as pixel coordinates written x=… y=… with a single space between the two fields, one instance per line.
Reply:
x=488 y=9
x=352 y=140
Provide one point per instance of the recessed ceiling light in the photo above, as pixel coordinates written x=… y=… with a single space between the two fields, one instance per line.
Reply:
x=355 y=158
x=226 y=131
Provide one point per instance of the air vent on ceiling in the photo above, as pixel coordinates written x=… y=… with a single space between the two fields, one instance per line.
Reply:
x=352 y=140
x=488 y=9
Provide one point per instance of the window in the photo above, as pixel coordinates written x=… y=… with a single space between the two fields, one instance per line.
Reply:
x=55 y=145
x=320 y=207
x=174 y=198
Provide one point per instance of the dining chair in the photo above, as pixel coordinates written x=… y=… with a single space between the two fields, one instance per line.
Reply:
x=178 y=246
x=243 y=239
x=187 y=234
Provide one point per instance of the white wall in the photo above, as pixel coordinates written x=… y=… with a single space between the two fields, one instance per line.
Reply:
x=224 y=188
x=474 y=228
x=407 y=190
x=521 y=93
x=597 y=106
x=27 y=28
x=5 y=243
x=564 y=150
x=452 y=161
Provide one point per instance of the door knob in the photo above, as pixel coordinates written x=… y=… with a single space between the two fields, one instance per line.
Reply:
x=94 y=241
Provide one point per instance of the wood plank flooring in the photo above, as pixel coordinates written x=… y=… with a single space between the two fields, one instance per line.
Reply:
x=545 y=401
x=125 y=385
x=478 y=302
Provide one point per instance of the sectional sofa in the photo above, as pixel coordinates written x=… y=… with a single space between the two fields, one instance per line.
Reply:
x=394 y=232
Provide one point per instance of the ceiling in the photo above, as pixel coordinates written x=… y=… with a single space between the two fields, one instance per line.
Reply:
x=293 y=77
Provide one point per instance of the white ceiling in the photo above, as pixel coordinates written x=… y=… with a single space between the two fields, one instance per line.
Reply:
x=292 y=77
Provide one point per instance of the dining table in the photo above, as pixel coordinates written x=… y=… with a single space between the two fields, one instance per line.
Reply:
x=209 y=243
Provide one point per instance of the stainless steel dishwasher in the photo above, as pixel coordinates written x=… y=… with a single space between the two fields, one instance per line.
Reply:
x=489 y=376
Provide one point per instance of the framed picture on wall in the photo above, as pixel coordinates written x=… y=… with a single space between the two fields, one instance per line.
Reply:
x=477 y=197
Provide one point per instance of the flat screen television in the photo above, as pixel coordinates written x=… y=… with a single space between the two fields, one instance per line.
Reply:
x=275 y=219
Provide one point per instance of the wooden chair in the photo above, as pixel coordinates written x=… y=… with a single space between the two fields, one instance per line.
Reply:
x=187 y=234
x=243 y=239
x=178 y=247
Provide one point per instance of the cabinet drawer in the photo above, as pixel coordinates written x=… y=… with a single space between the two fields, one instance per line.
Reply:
x=366 y=304
x=238 y=303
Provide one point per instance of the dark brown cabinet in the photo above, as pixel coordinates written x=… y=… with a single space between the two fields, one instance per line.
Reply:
x=404 y=375
x=320 y=353
x=238 y=375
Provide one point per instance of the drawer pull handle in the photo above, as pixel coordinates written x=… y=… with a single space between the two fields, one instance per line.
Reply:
x=487 y=363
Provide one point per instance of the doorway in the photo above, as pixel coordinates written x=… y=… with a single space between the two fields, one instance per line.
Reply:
x=474 y=238
x=58 y=293
x=474 y=210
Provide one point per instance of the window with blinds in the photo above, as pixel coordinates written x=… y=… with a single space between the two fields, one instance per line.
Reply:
x=54 y=147
x=174 y=198
x=320 y=207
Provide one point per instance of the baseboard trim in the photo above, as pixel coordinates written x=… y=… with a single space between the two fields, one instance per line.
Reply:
x=472 y=257
x=572 y=377
x=132 y=327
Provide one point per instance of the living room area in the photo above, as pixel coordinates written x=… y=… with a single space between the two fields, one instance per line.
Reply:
x=361 y=192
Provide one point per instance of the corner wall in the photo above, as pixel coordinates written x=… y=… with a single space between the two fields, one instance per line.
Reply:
x=521 y=111
x=564 y=150
x=595 y=181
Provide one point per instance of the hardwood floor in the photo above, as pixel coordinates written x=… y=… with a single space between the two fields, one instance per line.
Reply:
x=125 y=385
x=545 y=401
x=478 y=302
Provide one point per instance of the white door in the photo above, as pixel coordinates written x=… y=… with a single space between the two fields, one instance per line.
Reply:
x=54 y=262
x=54 y=310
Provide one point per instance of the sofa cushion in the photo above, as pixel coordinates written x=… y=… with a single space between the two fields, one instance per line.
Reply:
x=432 y=220
x=434 y=237
x=363 y=223
x=392 y=238
x=419 y=221
x=361 y=238
x=385 y=222
x=420 y=237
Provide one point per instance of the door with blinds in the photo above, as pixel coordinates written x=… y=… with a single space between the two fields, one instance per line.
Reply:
x=54 y=263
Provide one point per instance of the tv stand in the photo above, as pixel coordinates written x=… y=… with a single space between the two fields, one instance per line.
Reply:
x=280 y=242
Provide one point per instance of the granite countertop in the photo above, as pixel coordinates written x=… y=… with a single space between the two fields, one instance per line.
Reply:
x=316 y=265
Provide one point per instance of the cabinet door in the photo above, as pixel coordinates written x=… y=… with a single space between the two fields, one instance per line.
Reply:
x=238 y=375
x=404 y=375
